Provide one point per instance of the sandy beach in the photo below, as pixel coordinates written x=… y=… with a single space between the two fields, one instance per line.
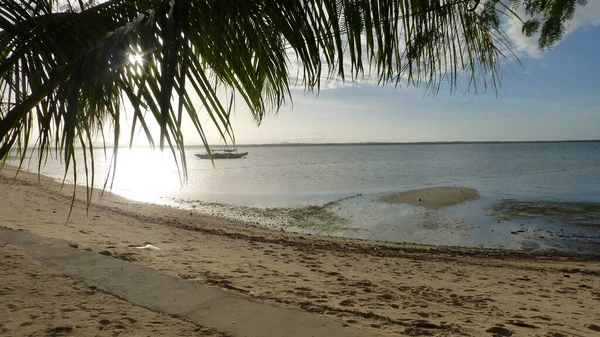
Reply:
x=38 y=301
x=380 y=288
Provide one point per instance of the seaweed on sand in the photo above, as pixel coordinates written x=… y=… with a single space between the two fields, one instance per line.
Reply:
x=585 y=214
x=319 y=219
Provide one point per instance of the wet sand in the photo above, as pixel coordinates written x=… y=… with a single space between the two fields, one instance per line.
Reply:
x=433 y=197
x=384 y=288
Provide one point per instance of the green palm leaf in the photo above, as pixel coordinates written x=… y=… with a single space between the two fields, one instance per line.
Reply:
x=66 y=73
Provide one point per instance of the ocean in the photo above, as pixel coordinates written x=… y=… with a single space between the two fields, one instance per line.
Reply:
x=335 y=189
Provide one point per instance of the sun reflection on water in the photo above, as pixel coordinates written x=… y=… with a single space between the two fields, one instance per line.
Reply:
x=145 y=175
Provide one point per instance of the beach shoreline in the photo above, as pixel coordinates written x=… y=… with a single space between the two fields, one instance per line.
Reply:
x=389 y=288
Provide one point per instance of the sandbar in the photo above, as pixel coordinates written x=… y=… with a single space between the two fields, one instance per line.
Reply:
x=433 y=197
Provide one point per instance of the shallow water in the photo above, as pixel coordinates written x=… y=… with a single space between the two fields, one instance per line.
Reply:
x=298 y=176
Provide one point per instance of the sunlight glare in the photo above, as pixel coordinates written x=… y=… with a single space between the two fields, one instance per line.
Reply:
x=136 y=59
x=144 y=174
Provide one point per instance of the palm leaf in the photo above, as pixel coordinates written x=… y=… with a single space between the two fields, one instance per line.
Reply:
x=66 y=75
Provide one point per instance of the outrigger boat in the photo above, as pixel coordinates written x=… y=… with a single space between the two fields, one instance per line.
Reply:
x=222 y=154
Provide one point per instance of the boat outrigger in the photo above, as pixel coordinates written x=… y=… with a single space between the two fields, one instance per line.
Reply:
x=222 y=154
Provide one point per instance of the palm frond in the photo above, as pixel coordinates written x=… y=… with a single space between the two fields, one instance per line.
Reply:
x=66 y=72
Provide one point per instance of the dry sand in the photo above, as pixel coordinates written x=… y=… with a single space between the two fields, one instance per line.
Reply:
x=36 y=301
x=390 y=289
x=433 y=197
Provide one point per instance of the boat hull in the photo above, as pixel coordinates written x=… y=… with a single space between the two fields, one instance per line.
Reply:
x=227 y=155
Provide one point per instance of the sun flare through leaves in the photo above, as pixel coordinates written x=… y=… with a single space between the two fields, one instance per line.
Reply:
x=72 y=71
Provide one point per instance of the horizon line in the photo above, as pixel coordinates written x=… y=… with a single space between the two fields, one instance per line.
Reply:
x=401 y=143
x=449 y=142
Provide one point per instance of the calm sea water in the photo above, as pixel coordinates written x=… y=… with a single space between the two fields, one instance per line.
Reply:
x=296 y=176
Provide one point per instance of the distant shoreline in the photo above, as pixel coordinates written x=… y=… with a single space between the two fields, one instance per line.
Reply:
x=374 y=143
x=404 y=143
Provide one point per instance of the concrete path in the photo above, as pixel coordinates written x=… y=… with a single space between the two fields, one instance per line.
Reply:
x=199 y=303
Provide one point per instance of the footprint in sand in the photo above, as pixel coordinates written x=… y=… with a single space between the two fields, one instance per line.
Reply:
x=500 y=331
x=59 y=331
x=594 y=327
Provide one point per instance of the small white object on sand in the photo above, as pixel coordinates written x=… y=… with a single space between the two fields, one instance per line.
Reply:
x=148 y=247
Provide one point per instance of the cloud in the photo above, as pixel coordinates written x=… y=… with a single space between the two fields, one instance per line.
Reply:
x=334 y=81
x=586 y=16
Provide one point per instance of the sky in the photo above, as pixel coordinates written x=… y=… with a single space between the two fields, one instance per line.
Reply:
x=553 y=95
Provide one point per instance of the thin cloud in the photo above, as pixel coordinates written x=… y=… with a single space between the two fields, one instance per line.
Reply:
x=584 y=17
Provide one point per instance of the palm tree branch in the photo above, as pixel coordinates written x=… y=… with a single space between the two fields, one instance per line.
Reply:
x=73 y=68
